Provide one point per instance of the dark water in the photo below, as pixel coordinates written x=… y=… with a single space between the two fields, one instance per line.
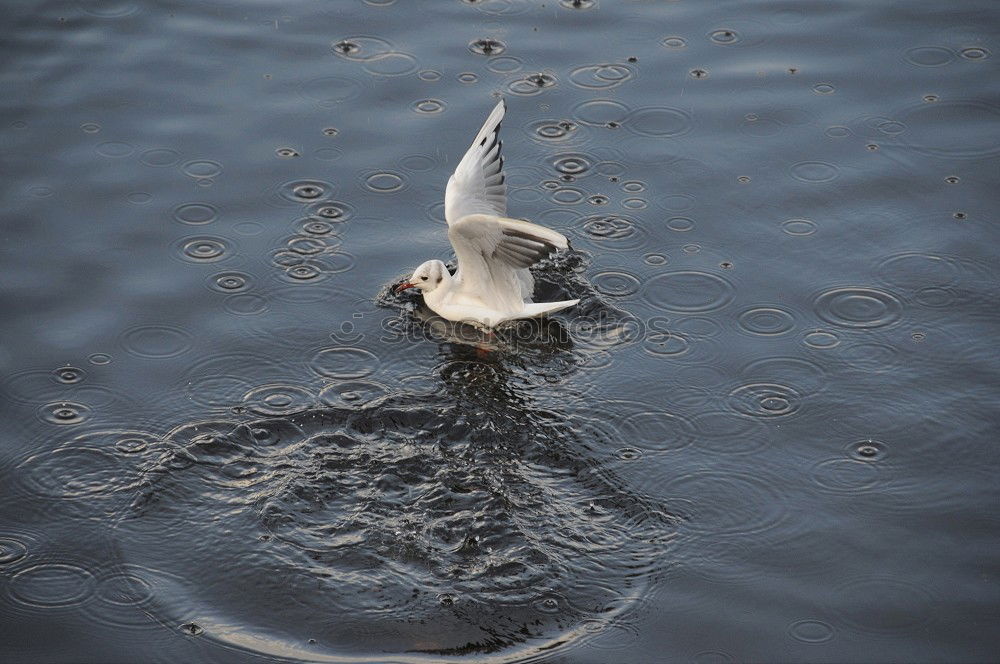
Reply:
x=768 y=432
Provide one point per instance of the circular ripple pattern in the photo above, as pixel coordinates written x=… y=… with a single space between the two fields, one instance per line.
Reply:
x=192 y=629
x=51 y=585
x=505 y=64
x=203 y=249
x=572 y=164
x=332 y=211
x=361 y=47
x=724 y=37
x=656 y=430
x=868 y=450
x=567 y=195
x=69 y=375
x=531 y=85
x=814 y=171
x=578 y=4
x=32 y=387
x=352 y=393
x=845 y=475
x=688 y=291
x=600 y=112
x=74 y=472
x=487 y=47
x=928 y=56
x=160 y=157
x=677 y=202
x=665 y=344
x=329 y=91
x=385 y=182
x=202 y=168
x=727 y=503
x=858 y=307
x=124 y=589
x=314 y=226
x=115 y=149
x=659 y=122
x=429 y=106
x=245 y=304
x=551 y=131
x=821 y=339
x=974 y=53
x=871 y=357
x=385 y=515
x=615 y=284
x=799 y=227
x=766 y=321
x=230 y=282
x=418 y=162
x=680 y=224
x=196 y=213
x=344 y=363
x=954 y=129
x=303 y=272
x=699 y=327
x=600 y=77
x=811 y=631
x=729 y=433
x=806 y=375
x=614 y=231
x=765 y=400
x=278 y=399
x=305 y=191
x=11 y=550
x=108 y=8
x=392 y=64
x=916 y=271
x=156 y=341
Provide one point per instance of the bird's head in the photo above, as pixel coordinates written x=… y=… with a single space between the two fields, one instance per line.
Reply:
x=426 y=278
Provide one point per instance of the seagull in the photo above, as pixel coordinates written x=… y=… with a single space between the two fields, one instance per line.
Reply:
x=492 y=284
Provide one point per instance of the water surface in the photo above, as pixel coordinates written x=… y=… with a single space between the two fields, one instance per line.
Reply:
x=766 y=434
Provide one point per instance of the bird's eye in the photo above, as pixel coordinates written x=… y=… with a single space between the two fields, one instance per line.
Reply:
x=423 y=278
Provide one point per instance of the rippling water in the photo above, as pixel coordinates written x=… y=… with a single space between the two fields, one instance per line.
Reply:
x=765 y=434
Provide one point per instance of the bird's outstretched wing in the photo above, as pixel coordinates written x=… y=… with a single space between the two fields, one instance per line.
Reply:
x=478 y=184
x=493 y=252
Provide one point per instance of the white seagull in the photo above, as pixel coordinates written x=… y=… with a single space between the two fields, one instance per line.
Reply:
x=492 y=284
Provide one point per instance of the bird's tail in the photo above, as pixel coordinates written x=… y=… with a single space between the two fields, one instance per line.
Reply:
x=531 y=310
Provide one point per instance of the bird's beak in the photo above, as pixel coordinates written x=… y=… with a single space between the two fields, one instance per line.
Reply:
x=403 y=286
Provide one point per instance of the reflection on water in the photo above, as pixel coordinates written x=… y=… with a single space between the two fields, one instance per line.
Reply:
x=764 y=434
x=352 y=529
